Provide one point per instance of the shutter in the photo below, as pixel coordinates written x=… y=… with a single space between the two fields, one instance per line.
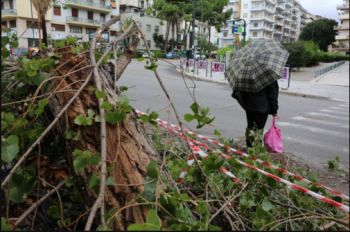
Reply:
x=57 y=11
x=90 y=15
x=75 y=12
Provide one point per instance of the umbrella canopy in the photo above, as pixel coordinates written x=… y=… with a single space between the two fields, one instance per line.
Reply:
x=256 y=65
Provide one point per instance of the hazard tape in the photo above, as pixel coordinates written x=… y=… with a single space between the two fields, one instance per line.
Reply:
x=197 y=152
x=246 y=155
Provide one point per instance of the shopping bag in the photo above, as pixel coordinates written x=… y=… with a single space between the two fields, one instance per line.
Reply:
x=273 y=139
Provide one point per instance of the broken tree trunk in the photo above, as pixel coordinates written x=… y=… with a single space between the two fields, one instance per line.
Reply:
x=128 y=149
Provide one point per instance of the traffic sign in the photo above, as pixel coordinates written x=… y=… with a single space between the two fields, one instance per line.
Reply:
x=195 y=42
x=237 y=30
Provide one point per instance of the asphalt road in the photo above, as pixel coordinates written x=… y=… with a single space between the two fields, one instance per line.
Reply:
x=312 y=129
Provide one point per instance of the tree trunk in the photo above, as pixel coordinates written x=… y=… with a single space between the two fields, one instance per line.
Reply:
x=209 y=44
x=129 y=156
x=43 y=26
x=172 y=34
x=166 y=36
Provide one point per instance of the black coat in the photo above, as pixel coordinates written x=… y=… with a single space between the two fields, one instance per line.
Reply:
x=265 y=101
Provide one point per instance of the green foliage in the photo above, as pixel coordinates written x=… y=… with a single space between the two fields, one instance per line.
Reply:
x=150 y=118
x=310 y=55
x=222 y=51
x=331 y=57
x=200 y=114
x=320 y=31
x=296 y=51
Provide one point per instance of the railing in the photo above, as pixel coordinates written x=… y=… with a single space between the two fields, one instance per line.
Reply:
x=261 y=8
x=327 y=69
x=340 y=27
x=278 y=31
x=9 y=11
x=279 y=21
x=288 y=18
x=286 y=12
x=344 y=6
x=280 y=5
x=83 y=20
x=90 y=4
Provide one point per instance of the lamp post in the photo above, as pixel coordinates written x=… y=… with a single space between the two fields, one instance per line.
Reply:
x=200 y=57
x=244 y=27
x=193 y=25
x=31 y=9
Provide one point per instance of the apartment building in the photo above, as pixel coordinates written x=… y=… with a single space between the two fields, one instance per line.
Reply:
x=66 y=18
x=149 y=23
x=343 y=37
x=265 y=19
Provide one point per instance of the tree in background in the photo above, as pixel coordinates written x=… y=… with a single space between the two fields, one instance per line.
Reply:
x=296 y=51
x=158 y=40
x=320 y=31
x=206 y=44
x=43 y=7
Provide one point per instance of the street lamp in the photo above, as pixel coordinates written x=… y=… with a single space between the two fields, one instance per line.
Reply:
x=200 y=57
x=193 y=25
x=244 y=27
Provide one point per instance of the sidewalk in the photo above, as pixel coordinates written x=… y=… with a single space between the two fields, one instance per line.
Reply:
x=332 y=85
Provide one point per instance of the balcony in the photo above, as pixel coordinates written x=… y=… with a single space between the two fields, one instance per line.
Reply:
x=273 y=2
x=288 y=19
x=286 y=26
x=268 y=9
x=279 y=15
x=286 y=12
x=293 y=29
x=262 y=17
x=342 y=37
x=83 y=21
x=279 y=22
x=342 y=49
x=278 y=31
x=344 y=16
x=89 y=5
x=268 y=28
x=294 y=17
x=8 y=13
x=289 y=3
x=303 y=16
x=286 y=34
x=280 y=7
x=340 y=28
x=343 y=7
x=294 y=23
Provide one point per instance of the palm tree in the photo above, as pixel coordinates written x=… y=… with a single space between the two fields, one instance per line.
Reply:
x=43 y=6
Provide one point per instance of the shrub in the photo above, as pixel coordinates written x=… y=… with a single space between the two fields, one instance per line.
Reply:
x=310 y=56
x=223 y=51
x=296 y=51
x=331 y=57
x=160 y=55
x=206 y=54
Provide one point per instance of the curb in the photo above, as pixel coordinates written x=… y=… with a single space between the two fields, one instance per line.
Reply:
x=281 y=91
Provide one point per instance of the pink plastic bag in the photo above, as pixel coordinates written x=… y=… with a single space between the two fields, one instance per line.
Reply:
x=273 y=139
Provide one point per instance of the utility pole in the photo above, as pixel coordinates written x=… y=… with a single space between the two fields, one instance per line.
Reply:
x=200 y=57
x=31 y=9
x=38 y=12
x=193 y=25
x=244 y=28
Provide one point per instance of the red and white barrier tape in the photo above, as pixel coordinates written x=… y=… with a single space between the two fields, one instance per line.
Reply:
x=197 y=152
x=246 y=155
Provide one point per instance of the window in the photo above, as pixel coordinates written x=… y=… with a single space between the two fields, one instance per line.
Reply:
x=102 y=2
x=74 y=29
x=156 y=29
x=255 y=34
x=256 y=24
x=256 y=15
x=57 y=10
x=149 y=43
x=154 y=13
x=13 y=23
x=245 y=6
x=148 y=27
x=11 y=4
x=29 y=24
x=225 y=34
x=112 y=33
x=88 y=30
x=245 y=15
x=2 y=6
x=58 y=27
x=103 y=17
x=74 y=12
x=4 y=24
x=204 y=29
x=90 y=15
x=142 y=4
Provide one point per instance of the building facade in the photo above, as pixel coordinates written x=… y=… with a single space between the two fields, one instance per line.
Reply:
x=265 y=19
x=343 y=37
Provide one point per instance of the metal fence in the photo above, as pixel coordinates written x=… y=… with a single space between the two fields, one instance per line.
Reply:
x=327 y=69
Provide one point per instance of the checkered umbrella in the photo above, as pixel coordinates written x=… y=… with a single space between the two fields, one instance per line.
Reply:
x=256 y=65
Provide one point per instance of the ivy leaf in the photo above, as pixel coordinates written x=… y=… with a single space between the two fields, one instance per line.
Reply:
x=82 y=120
x=94 y=159
x=80 y=163
x=140 y=59
x=106 y=105
x=42 y=103
x=69 y=181
x=93 y=180
x=32 y=73
x=110 y=181
x=144 y=118
x=152 y=169
x=91 y=113
x=202 y=208
x=189 y=117
x=16 y=194
x=152 y=220
x=40 y=77
x=266 y=205
x=97 y=118
x=54 y=212
x=114 y=117
x=9 y=148
x=110 y=169
x=20 y=74
x=137 y=227
x=183 y=214
x=100 y=94
x=194 y=107
x=312 y=176
x=5 y=40
x=123 y=88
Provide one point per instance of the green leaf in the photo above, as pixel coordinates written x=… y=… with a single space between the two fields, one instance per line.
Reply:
x=9 y=148
x=32 y=73
x=214 y=228
x=82 y=120
x=100 y=94
x=78 y=135
x=185 y=197
x=194 y=107
x=110 y=181
x=54 y=212
x=202 y=208
x=20 y=74
x=16 y=194
x=152 y=169
x=140 y=59
x=69 y=181
x=91 y=113
x=29 y=185
x=110 y=169
x=5 y=40
x=260 y=213
x=266 y=205
x=50 y=54
x=94 y=159
x=137 y=227
x=144 y=118
x=153 y=221
x=97 y=118
x=14 y=44
x=189 y=117
x=183 y=214
x=114 y=117
x=4 y=225
x=93 y=181
x=40 y=77
x=312 y=176
x=42 y=103
x=106 y=105
x=85 y=45
x=80 y=163
x=123 y=88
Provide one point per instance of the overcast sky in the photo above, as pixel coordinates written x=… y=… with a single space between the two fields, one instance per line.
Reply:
x=325 y=8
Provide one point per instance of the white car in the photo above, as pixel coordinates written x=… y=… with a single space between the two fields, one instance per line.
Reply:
x=197 y=56
x=145 y=55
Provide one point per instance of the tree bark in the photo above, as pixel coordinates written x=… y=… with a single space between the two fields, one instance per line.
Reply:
x=129 y=158
x=166 y=35
x=209 y=44
x=43 y=25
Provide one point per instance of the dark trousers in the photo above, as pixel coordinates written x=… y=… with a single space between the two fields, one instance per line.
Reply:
x=255 y=121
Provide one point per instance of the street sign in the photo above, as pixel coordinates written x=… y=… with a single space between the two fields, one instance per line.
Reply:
x=237 y=30
x=142 y=13
x=195 y=42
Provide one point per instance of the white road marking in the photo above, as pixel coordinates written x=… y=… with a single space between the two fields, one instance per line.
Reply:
x=328 y=115
x=313 y=144
x=336 y=108
x=314 y=129
x=323 y=122
x=345 y=106
x=333 y=111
